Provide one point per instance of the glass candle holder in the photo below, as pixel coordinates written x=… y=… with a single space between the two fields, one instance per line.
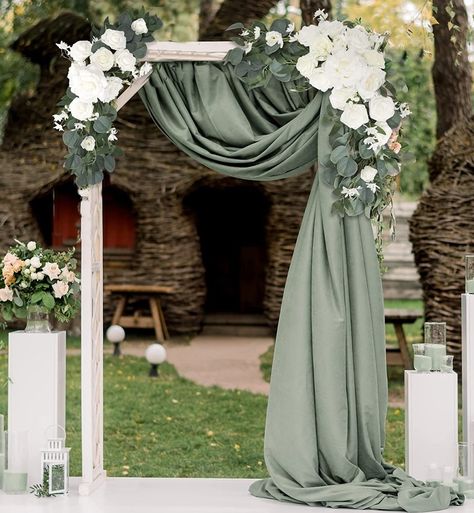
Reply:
x=447 y=363
x=469 y=261
x=15 y=476
x=434 y=474
x=435 y=343
x=421 y=362
x=464 y=480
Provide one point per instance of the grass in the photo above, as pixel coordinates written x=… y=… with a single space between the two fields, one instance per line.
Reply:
x=167 y=427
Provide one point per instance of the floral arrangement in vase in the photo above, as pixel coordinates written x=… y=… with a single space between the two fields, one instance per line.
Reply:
x=40 y=279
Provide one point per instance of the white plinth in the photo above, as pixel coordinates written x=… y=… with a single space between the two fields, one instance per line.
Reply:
x=467 y=301
x=431 y=421
x=37 y=390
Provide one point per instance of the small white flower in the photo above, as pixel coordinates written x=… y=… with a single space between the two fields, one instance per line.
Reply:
x=381 y=108
x=31 y=246
x=23 y=285
x=35 y=262
x=79 y=126
x=125 y=60
x=27 y=262
x=145 y=69
x=58 y=127
x=293 y=38
x=351 y=193
x=112 y=134
x=62 y=116
x=6 y=294
x=52 y=270
x=139 y=26
x=80 y=50
x=404 y=110
x=40 y=276
x=290 y=28
x=83 y=111
x=248 y=47
x=273 y=38
x=63 y=46
x=368 y=174
x=26 y=272
x=379 y=136
x=103 y=58
x=60 y=289
x=373 y=187
x=245 y=32
x=88 y=143
x=34 y=276
x=354 y=115
x=321 y=14
x=257 y=32
x=114 y=39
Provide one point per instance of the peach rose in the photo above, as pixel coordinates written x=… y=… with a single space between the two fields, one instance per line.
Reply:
x=10 y=259
x=60 y=288
x=8 y=275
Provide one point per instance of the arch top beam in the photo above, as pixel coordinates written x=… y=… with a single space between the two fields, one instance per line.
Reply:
x=169 y=51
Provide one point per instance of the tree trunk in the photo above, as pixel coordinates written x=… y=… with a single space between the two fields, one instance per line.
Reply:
x=206 y=13
x=451 y=69
x=309 y=7
x=231 y=11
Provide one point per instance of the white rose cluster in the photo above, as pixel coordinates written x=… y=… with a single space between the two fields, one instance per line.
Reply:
x=349 y=62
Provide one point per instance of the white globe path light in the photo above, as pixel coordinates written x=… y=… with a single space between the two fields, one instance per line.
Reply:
x=156 y=355
x=115 y=334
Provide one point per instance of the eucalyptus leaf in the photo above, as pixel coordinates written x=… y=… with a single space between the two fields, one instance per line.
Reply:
x=280 y=25
x=102 y=125
x=338 y=153
x=236 y=26
x=242 y=69
x=235 y=56
x=109 y=163
x=346 y=166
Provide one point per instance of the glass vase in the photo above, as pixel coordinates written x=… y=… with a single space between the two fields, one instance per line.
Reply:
x=37 y=319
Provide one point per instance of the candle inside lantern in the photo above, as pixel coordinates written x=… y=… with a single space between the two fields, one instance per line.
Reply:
x=469 y=260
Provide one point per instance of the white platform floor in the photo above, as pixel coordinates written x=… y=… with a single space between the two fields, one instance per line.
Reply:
x=156 y=495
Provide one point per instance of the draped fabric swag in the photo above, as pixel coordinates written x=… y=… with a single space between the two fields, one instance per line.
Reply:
x=328 y=398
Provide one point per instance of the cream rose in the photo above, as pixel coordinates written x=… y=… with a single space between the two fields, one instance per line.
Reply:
x=103 y=58
x=60 y=289
x=6 y=294
x=87 y=82
x=307 y=64
x=10 y=259
x=371 y=83
x=35 y=262
x=88 y=143
x=340 y=97
x=125 y=60
x=51 y=270
x=114 y=85
x=308 y=34
x=115 y=39
x=31 y=246
x=374 y=58
x=358 y=39
x=368 y=174
x=354 y=115
x=320 y=79
x=80 y=50
x=273 y=38
x=81 y=110
x=139 y=26
x=321 y=46
x=381 y=108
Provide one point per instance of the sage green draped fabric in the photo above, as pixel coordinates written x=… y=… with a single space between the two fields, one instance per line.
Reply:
x=328 y=397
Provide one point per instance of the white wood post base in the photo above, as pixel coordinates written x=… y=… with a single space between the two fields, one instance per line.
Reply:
x=467 y=302
x=36 y=390
x=431 y=421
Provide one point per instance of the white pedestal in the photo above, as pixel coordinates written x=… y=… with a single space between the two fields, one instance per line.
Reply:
x=431 y=421
x=37 y=390
x=467 y=302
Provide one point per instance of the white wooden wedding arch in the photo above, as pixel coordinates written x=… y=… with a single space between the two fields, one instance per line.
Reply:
x=92 y=328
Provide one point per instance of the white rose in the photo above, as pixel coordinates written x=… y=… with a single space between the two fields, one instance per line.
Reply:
x=374 y=58
x=321 y=46
x=6 y=294
x=80 y=51
x=384 y=132
x=34 y=276
x=87 y=82
x=115 y=39
x=27 y=262
x=51 y=270
x=273 y=38
x=354 y=115
x=81 y=110
x=31 y=246
x=307 y=64
x=339 y=97
x=381 y=108
x=368 y=173
x=307 y=34
x=88 y=143
x=40 y=276
x=139 y=26
x=320 y=79
x=35 y=262
x=114 y=85
x=125 y=60
x=358 y=39
x=103 y=58
x=331 y=28
x=60 y=289
x=346 y=68
x=371 y=83
x=68 y=275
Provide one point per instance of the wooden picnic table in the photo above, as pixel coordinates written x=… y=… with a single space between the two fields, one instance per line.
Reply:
x=152 y=293
x=399 y=354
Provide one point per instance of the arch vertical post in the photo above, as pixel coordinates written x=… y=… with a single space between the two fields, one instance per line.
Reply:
x=92 y=410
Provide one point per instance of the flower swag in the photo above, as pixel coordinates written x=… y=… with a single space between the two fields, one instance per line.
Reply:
x=99 y=69
x=347 y=61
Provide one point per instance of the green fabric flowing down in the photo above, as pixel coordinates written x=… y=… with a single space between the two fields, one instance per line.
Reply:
x=328 y=397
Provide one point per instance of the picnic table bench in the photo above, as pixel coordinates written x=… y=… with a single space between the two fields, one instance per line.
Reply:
x=152 y=293
x=399 y=354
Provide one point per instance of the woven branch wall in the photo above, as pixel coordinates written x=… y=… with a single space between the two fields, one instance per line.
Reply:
x=157 y=178
x=442 y=230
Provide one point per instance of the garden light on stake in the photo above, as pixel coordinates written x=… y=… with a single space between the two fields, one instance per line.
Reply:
x=155 y=354
x=116 y=334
